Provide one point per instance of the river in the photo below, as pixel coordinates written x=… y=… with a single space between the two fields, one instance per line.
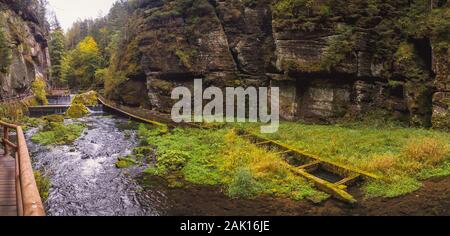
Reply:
x=85 y=182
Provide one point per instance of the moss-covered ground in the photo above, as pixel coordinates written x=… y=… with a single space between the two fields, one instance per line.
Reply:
x=53 y=131
x=402 y=156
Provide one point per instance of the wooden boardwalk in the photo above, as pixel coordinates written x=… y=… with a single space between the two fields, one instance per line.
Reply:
x=8 y=196
x=19 y=194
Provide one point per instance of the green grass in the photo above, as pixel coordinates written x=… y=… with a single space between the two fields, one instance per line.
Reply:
x=221 y=158
x=403 y=156
x=43 y=184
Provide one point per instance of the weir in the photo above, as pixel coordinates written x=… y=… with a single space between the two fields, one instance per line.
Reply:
x=58 y=104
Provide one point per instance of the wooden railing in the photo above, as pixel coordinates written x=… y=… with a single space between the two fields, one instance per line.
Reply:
x=29 y=202
x=15 y=98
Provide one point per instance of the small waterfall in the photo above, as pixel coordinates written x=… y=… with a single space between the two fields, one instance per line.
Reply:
x=59 y=100
x=96 y=109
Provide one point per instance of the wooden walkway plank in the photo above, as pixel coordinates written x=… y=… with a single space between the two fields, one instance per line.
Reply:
x=8 y=197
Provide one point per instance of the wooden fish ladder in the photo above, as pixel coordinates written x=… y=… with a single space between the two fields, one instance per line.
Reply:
x=19 y=195
x=316 y=169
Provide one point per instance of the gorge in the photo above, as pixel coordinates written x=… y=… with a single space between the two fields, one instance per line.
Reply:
x=364 y=87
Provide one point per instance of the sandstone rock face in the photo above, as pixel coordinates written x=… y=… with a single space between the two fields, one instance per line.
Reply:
x=26 y=37
x=441 y=98
x=242 y=43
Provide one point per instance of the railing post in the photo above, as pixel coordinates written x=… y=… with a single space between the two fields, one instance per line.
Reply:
x=5 y=138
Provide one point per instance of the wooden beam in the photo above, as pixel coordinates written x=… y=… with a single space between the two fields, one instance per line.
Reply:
x=31 y=200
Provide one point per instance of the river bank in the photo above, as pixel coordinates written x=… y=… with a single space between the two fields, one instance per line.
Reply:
x=107 y=161
x=433 y=199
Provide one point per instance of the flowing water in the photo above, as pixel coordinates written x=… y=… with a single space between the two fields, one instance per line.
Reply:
x=83 y=175
x=85 y=181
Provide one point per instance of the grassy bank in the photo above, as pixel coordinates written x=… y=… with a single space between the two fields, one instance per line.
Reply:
x=218 y=158
x=403 y=156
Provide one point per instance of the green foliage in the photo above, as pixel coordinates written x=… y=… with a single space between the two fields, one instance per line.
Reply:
x=125 y=162
x=340 y=46
x=243 y=184
x=43 y=184
x=77 y=110
x=398 y=187
x=88 y=99
x=383 y=26
x=221 y=158
x=173 y=160
x=100 y=77
x=403 y=156
x=5 y=51
x=57 y=51
x=79 y=65
x=54 y=118
x=39 y=89
x=58 y=134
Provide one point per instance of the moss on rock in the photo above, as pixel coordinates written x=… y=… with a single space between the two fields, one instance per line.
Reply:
x=125 y=162
x=58 y=134
x=77 y=110
x=54 y=118
x=88 y=99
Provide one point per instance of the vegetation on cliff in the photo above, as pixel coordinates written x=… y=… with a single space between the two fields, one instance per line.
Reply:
x=5 y=51
x=39 y=87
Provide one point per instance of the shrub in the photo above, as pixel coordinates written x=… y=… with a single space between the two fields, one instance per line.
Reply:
x=43 y=184
x=173 y=160
x=54 y=118
x=38 y=87
x=87 y=99
x=243 y=184
x=77 y=110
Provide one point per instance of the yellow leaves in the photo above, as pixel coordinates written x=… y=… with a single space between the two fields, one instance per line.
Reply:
x=79 y=65
x=38 y=88
x=88 y=46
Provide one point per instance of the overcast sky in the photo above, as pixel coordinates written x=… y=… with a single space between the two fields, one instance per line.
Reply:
x=69 y=11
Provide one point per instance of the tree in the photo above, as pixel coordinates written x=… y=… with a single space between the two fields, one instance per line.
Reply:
x=57 y=50
x=79 y=65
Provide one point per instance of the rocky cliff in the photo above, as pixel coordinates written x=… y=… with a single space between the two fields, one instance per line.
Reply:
x=23 y=47
x=330 y=58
